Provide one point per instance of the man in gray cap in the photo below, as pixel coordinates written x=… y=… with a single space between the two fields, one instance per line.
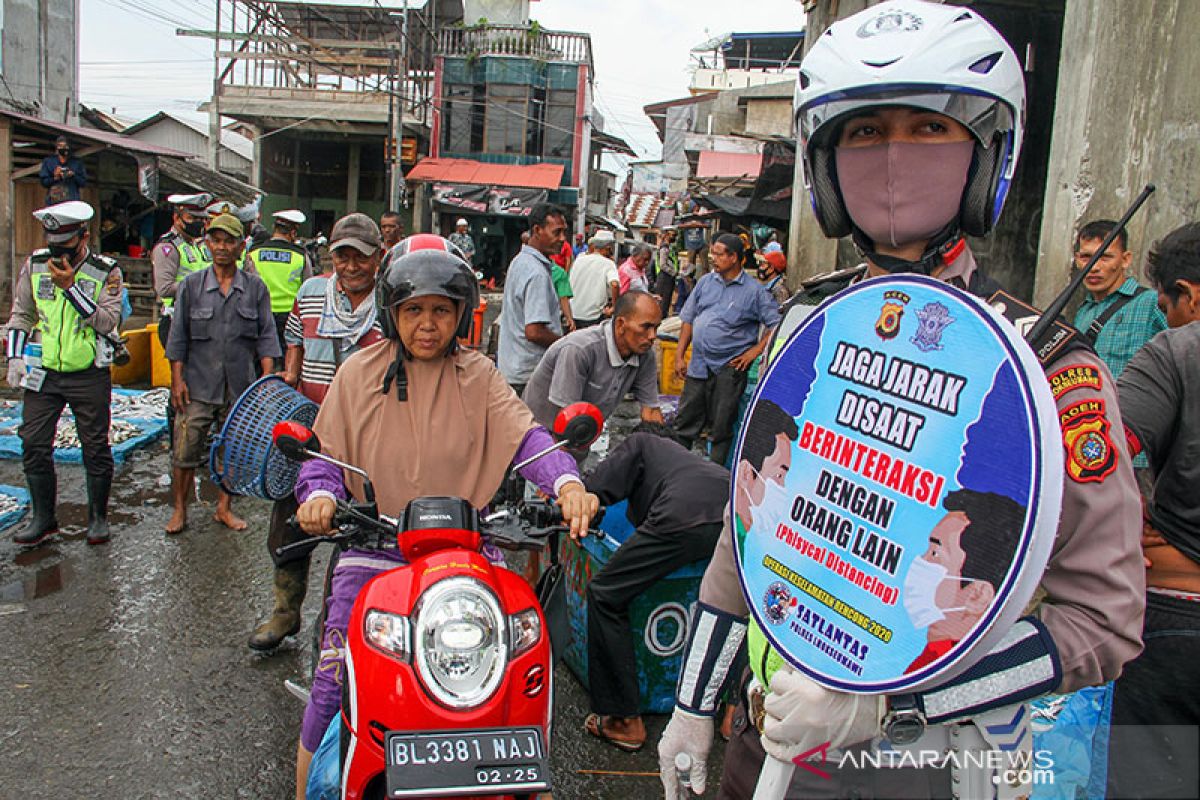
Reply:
x=283 y=265
x=332 y=319
x=72 y=298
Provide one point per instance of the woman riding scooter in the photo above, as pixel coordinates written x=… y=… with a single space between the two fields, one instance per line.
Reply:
x=435 y=419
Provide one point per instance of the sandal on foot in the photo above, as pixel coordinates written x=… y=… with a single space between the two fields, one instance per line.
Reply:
x=594 y=724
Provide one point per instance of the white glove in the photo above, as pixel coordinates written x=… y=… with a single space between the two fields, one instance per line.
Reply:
x=802 y=715
x=16 y=372
x=685 y=733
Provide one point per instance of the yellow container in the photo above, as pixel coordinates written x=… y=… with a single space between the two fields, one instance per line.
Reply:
x=160 y=368
x=138 y=368
x=667 y=382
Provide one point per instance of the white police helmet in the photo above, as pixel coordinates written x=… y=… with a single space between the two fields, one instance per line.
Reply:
x=942 y=58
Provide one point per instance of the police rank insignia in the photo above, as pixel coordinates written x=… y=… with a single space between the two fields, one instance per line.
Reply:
x=888 y=324
x=1091 y=456
x=934 y=318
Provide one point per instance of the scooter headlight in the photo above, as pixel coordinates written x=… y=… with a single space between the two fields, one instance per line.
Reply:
x=461 y=642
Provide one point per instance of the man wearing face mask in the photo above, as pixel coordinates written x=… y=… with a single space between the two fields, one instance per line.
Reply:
x=950 y=587
x=179 y=252
x=766 y=459
x=908 y=158
x=72 y=298
x=61 y=174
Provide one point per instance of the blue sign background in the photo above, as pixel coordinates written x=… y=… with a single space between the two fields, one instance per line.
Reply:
x=848 y=628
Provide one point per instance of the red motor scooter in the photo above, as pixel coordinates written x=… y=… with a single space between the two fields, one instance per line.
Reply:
x=448 y=689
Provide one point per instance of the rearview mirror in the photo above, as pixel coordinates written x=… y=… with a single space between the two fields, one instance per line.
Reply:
x=579 y=424
x=295 y=441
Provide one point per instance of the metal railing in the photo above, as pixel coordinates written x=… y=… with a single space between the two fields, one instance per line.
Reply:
x=525 y=41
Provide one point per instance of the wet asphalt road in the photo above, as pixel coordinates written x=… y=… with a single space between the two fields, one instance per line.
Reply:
x=124 y=670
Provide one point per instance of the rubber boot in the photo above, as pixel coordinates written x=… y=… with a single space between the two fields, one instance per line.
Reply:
x=97 y=489
x=290 y=586
x=43 y=491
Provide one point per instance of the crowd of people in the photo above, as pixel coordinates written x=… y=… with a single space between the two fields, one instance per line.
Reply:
x=375 y=342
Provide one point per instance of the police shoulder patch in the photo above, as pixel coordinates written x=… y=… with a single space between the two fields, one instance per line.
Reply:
x=1076 y=376
x=1091 y=456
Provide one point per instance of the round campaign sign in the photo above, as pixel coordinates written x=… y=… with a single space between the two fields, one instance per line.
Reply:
x=896 y=486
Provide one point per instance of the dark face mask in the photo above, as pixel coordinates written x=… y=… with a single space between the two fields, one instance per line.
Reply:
x=63 y=251
x=194 y=228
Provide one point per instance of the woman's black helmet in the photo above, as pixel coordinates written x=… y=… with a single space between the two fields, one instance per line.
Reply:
x=425 y=265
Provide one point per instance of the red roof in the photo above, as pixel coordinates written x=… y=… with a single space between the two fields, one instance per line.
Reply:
x=728 y=165
x=463 y=170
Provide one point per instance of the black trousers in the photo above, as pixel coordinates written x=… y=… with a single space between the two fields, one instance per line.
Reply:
x=664 y=287
x=713 y=401
x=164 y=332
x=580 y=324
x=281 y=326
x=1153 y=749
x=281 y=534
x=88 y=393
x=641 y=562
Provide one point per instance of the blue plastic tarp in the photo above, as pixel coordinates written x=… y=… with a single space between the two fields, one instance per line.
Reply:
x=11 y=518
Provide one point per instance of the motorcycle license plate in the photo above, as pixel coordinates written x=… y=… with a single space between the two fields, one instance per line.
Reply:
x=488 y=761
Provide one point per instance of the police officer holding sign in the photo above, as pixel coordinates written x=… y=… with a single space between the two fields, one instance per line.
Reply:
x=72 y=298
x=283 y=265
x=909 y=157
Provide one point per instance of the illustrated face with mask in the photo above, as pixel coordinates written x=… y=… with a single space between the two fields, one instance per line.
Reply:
x=902 y=172
x=762 y=500
x=936 y=596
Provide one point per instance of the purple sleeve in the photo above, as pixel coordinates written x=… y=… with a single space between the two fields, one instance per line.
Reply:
x=547 y=469
x=321 y=475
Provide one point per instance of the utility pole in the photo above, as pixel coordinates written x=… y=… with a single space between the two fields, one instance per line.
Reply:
x=214 y=107
x=397 y=196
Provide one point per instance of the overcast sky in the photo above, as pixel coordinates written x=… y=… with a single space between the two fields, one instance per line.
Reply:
x=131 y=59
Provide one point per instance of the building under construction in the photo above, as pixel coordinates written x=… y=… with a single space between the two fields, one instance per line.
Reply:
x=326 y=89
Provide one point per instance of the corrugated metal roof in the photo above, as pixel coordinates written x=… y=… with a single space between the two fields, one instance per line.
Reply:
x=231 y=140
x=203 y=179
x=642 y=209
x=77 y=134
x=728 y=165
x=477 y=173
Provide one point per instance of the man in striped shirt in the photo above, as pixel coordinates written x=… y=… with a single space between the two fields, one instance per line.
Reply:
x=332 y=318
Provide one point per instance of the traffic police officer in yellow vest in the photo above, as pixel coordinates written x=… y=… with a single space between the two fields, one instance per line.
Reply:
x=71 y=297
x=283 y=266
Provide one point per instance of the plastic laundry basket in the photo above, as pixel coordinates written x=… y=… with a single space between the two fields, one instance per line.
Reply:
x=243 y=459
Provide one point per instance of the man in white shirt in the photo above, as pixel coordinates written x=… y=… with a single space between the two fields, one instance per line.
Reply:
x=594 y=281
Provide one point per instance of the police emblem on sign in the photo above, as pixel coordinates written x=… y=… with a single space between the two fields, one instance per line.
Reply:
x=888 y=324
x=934 y=319
x=778 y=603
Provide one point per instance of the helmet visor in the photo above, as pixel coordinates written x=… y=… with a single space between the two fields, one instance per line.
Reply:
x=820 y=121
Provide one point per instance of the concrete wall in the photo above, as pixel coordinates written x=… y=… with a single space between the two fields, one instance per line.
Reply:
x=769 y=117
x=1128 y=114
x=39 y=45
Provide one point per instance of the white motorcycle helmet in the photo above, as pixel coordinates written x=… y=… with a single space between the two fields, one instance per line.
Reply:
x=941 y=58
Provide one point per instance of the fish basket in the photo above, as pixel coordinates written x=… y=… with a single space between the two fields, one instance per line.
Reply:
x=243 y=458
